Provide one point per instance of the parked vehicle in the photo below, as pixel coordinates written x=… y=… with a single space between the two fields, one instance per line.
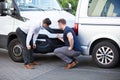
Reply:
x=98 y=29
x=15 y=13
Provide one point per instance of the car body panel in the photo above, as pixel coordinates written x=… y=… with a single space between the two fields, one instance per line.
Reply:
x=92 y=29
x=9 y=23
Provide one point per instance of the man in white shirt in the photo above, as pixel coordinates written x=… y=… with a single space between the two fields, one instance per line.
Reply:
x=27 y=35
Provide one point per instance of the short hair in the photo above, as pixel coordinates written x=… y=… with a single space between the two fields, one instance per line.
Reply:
x=47 y=21
x=63 y=21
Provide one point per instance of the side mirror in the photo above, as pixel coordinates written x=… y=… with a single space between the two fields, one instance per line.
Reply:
x=68 y=8
x=3 y=9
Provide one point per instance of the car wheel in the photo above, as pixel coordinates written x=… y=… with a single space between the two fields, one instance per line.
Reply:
x=105 y=54
x=15 y=50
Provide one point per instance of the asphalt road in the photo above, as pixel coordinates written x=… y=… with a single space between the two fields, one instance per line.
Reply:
x=51 y=68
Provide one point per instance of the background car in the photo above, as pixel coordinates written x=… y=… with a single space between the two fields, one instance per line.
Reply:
x=98 y=29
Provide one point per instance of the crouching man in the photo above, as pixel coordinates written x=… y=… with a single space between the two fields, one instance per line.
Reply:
x=72 y=46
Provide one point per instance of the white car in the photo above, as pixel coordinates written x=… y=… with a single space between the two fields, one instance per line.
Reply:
x=15 y=13
x=98 y=28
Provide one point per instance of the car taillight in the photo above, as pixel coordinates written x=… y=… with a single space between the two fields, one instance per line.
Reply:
x=76 y=28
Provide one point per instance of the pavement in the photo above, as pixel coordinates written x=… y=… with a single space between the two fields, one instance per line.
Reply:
x=52 y=68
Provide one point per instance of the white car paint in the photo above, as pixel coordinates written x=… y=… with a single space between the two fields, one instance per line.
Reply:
x=93 y=28
x=54 y=17
x=9 y=24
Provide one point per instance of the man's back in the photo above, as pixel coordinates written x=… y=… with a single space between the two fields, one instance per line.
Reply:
x=76 y=42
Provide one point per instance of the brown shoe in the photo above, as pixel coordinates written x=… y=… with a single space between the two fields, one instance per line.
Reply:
x=35 y=63
x=76 y=62
x=73 y=64
x=28 y=66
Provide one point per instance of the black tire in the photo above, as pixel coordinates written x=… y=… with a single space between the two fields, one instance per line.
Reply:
x=105 y=54
x=15 y=50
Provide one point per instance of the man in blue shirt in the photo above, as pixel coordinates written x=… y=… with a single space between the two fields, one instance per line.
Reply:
x=72 y=46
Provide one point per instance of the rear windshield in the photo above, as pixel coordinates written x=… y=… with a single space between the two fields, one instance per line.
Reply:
x=104 y=8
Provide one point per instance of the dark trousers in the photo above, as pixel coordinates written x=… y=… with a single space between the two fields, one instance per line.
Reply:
x=27 y=54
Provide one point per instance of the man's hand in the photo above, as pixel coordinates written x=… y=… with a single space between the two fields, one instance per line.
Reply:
x=59 y=37
x=69 y=48
x=34 y=46
x=28 y=47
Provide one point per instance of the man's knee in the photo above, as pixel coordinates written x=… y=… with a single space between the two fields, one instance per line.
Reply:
x=56 y=51
x=76 y=54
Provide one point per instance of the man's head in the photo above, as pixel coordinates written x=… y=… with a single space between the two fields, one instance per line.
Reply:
x=46 y=22
x=62 y=23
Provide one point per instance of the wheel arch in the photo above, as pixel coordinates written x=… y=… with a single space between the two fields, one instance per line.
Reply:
x=100 y=40
x=11 y=36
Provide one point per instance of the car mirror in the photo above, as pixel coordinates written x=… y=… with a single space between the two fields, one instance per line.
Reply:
x=3 y=9
x=68 y=8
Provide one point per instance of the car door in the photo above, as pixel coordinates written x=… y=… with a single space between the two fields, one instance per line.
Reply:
x=6 y=24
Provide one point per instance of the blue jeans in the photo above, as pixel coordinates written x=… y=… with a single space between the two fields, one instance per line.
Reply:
x=27 y=54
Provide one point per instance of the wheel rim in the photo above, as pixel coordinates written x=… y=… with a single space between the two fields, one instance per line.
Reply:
x=105 y=55
x=17 y=50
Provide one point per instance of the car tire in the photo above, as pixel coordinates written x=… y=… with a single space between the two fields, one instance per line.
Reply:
x=15 y=50
x=105 y=54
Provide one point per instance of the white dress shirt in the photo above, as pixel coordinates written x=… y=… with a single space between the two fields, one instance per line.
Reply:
x=32 y=29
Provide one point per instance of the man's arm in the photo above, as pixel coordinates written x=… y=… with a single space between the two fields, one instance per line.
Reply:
x=34 y=39
x=60 y=38
x=29 y=37
x=71 y=41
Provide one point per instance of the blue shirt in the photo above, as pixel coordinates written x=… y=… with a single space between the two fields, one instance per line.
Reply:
x=76 y=46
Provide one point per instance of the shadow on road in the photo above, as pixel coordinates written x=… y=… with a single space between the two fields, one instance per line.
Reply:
x=84 y=61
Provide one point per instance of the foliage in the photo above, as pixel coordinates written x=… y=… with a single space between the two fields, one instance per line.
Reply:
x=74 y=3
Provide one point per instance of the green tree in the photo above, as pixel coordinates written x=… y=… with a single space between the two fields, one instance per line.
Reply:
x=74 y=3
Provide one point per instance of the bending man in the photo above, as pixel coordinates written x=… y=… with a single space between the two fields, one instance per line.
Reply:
x=27 y=35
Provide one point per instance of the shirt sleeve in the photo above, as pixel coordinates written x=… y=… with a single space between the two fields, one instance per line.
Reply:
x=29 y=36
x=35 y=37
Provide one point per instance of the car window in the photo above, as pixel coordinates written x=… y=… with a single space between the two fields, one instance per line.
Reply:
x=10 y=6
x=104 y=8
x=30 y=5
x=6 y=7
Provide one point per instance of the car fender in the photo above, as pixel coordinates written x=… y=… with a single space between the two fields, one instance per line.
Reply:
x=103 y=36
